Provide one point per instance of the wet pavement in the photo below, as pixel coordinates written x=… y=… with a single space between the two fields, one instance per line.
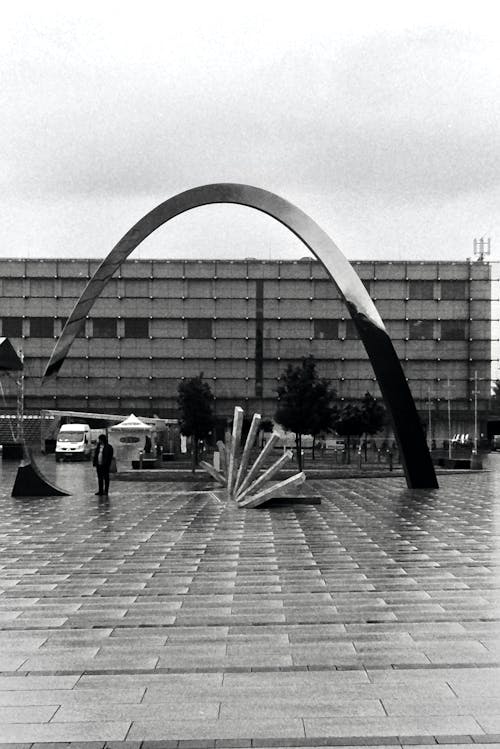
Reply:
x=163 y=615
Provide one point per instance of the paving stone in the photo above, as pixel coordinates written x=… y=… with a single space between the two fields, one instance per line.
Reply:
x=454 y=739
x=387 y=726
x=256 y=728
x=91 y=713
x=70 y=696
x=417 y=740
x=375 y=598
x=64 y=732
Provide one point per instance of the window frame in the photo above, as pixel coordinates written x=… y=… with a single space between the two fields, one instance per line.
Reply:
x=426 y=323
x=201 y=334
x=104 y=320
x=451 y=283
x=130 y=321
x=446 y=335
x=414 y=284
x=7 y=334
x=40 y=332
x=325 y=335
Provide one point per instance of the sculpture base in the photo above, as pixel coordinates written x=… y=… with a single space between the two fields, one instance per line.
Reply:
x=291 y=501
x=30 y=482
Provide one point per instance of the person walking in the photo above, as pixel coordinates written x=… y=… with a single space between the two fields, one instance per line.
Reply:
x=102 y=461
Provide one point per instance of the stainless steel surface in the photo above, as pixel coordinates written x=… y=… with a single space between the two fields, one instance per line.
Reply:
x=415 y=455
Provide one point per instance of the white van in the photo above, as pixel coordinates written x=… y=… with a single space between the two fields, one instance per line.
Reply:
x=74 y=441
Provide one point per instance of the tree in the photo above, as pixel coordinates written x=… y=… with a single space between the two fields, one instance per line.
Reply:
x=266 y=427
x=196 y=415
x=367 y=417
x=495 y=396
x=373 y=413
x=324 y=414
x=305 y=402
x=349 y=423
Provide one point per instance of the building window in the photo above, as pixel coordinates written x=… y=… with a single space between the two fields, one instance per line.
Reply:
x=421 y=330
x=453 y=330
x=326 y=330
x=199 y=327
x=351 y=330
x=136 y=327
x=421 y=289
x=42 y=327
x=454 y=290
x=12 y=327
x=104 y=327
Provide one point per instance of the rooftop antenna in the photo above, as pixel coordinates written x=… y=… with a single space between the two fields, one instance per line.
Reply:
x=481 y=247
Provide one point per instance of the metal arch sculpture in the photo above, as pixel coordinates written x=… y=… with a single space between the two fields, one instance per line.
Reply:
x=415 y=456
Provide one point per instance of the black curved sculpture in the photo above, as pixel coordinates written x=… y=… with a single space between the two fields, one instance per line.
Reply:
x=415 y=456
x=30 y=481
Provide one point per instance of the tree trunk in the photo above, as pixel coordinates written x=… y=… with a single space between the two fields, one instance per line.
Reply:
x=348 y=449
x=194 y=453
x=313 y=446
x=298 y=447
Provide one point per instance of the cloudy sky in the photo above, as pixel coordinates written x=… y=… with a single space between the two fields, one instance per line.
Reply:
x=380 y=120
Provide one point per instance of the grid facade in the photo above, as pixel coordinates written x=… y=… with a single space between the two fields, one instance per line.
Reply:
x=241 y=323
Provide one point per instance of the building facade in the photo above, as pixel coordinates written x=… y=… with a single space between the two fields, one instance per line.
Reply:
x=241 y=323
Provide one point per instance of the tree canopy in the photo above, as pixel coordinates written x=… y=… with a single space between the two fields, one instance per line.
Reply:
x=373 y=414
x=495 y=396
x=195 y=401
x=306 y=402
x=367 y=417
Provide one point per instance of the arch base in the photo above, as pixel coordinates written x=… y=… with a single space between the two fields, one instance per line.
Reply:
x=30 y=482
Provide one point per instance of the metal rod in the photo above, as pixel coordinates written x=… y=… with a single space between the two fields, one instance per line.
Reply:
x=430 y=417
x=475 y=413
x=449 y=421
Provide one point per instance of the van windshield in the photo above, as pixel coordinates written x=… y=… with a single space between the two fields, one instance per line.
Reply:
x=70 y=437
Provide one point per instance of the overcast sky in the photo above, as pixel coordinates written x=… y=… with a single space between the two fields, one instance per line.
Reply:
x=380 y=120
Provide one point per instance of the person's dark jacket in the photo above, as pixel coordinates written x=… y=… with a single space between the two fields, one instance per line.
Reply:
x=106 y=456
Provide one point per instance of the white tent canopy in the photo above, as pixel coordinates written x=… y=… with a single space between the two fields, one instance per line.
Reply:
x=130 y=424
x=130 y=437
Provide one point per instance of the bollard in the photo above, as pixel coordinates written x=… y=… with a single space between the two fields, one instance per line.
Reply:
x=141 y=456
x=390 y=459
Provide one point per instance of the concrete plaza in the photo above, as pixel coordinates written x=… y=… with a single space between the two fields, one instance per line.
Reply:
x=166 y=617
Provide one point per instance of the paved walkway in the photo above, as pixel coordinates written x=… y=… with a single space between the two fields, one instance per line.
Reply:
x=163 y=615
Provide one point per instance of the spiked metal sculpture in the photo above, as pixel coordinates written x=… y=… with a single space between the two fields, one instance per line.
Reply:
x=244 y=484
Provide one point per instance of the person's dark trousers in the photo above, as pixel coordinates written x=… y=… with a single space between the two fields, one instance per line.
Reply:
x=103 y=479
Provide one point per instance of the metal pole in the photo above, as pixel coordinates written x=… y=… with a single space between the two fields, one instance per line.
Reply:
x=20 y=402
x=449 y=421
x=429 y=417
x=474 y=451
